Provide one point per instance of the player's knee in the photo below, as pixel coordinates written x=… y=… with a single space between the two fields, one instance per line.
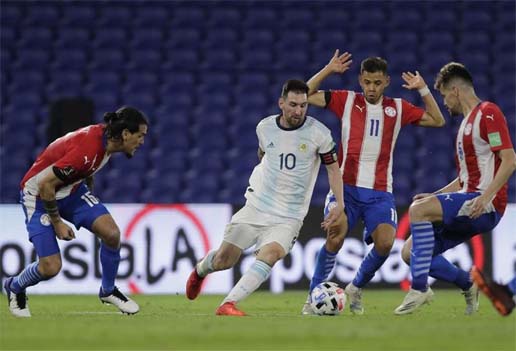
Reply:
x=271 y=256
x=50 y=267
x=384 y=246
x=112 y=238
x=417 y=211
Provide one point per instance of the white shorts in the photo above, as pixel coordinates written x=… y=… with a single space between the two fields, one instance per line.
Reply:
x=250 y=227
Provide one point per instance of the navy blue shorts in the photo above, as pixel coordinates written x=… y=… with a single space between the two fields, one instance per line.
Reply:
x=373 y=207
x=456 y=226
x=80 y=208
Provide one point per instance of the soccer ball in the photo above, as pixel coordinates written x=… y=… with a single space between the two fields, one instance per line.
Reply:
x=328 y=299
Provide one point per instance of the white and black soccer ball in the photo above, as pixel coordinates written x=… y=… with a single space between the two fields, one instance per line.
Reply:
x=328 y=299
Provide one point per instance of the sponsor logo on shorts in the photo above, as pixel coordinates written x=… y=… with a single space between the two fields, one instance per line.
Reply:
x=45 y=219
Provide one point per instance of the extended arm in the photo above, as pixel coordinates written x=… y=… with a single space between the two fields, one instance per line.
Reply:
x=433 y=116
x=453 y=186
x=47 y=192
x=335 y=180
x=506 y=169
x=337 y=64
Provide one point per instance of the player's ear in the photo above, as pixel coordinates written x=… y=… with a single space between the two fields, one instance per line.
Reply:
x=387 y=81
x=281 y=102
x=125 y=134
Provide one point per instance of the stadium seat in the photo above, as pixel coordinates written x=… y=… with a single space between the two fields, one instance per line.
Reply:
x=187 y=15
x=147 y=39
x=219 y=59
x=72 y=37
x=152 y=16
x=476 y=20
x=405 y=19
x=224 y=17
x=182 y=59
x=256 y=60
x=36 y=38
x=110 y=38
x=332 y=19
x=220 y=38
x=115 y=15
x=11 y=15
x=108 y=59
x=77 y=15
x=32 y=58
x=260 y=17
x=258 y=37
x=182 y=37
x=144 y=59
x=42 y=14
x=76 y=59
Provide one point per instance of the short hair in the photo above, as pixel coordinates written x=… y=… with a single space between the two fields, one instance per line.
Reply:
x=294 y=85
x=374 y=64
x=124 y=118
x=450 y=71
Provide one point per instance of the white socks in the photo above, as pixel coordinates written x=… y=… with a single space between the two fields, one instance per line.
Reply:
x=250 y=281
x=205 y=267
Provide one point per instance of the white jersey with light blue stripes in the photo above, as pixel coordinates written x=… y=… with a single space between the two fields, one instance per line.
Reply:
x=283 y=182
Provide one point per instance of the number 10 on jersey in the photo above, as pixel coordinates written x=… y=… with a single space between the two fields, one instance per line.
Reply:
x=288 y=161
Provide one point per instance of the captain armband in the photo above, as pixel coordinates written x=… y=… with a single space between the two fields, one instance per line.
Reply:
x=51 y=208
x=329 y=157
x=65 y=174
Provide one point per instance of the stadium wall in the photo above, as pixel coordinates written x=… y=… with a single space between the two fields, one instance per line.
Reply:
x=162 y=242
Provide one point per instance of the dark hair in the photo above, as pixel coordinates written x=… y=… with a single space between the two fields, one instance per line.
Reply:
x=374 y=64
x=452 y=70
x=124 y=118
x=295 y=85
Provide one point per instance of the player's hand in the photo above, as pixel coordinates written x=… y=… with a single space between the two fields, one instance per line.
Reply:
x=63 y=231
x=414 y=81
x=421 y=196
x=478 y=206
x=339 y=63
x=333 y=217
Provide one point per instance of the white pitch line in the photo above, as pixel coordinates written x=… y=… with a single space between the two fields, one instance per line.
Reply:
x=93 y=312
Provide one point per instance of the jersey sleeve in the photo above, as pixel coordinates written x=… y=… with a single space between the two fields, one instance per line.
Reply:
x=259 y=134
x=493 y=128
x=410 y=114
x=327 y=150
x=72 y=166
x=337 y=100
x=77 y=160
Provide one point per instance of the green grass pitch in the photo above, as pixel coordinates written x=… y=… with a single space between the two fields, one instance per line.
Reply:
x=78 y=322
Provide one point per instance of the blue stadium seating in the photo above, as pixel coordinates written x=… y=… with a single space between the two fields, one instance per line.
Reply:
x=205 y=73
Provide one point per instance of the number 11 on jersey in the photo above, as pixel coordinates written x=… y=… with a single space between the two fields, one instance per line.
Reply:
x=375 y=126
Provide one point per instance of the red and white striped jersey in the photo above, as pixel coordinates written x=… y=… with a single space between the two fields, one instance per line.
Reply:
x=369 y=134
x=78 y=155
x=483 y=132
